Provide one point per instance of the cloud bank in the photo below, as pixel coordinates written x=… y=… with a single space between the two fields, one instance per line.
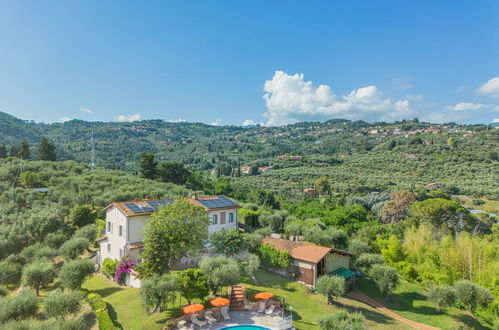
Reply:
x=491 y=87
x=464 y=106
x=128 y=118
x=87 y=110
x=289 y=99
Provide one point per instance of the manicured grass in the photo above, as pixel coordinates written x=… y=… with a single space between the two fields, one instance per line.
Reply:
x=411 y=302
x=125 y=305
x=308 y=306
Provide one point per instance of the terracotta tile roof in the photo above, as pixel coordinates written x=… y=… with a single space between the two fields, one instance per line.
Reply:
x=136 y=245
x=302 y=250
x=217 y=203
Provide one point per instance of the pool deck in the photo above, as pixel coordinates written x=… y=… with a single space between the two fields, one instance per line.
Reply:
x=247 y=318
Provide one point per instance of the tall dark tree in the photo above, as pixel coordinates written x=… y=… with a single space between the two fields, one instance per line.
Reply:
x=173 y=172
x=3 y=151
x=148 y=165
x=46 y=150
x=24 y=151
x=14 y=151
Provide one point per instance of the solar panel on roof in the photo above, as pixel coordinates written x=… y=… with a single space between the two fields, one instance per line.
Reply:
x=219 y=202
x=133 y=207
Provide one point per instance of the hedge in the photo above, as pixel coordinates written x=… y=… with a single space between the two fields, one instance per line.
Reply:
x=100 y=308
x=272 y=257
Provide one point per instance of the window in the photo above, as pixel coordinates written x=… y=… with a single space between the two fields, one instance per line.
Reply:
x=108 y=247
x=120 y=231
x=109 y=226
x=231 y=217
x=215 y=219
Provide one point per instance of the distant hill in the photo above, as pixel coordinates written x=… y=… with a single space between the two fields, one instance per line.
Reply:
x=13 y=129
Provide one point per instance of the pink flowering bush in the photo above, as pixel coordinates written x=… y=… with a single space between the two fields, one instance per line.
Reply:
x=125 y=266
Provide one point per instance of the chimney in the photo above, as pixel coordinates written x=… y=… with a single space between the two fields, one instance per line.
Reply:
x=194 y=195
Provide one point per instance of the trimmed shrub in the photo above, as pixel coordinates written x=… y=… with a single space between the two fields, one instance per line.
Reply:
x=55 y=240
x=366 y=260
x=342 y=320
x=100 y=309
x=109 y=267
x=78 y=323
x=386 y=278
x=472 y=295
x=442 y=296
x=38 y=274
x=89 y=232
x=272 y=257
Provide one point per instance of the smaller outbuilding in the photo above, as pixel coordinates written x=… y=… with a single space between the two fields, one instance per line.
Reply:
x=311 y=261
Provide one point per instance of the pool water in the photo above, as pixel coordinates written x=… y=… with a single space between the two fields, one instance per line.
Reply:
x=246 y=327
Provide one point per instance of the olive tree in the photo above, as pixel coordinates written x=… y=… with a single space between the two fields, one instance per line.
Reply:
x=38 y=274
x=472 y=295
x=59 y=304
x=73 y=248
x=220 y=271
x=442 y=295
x=228 y=241
x=342 y=320
x=23 y=305
x=385 y=277
x=74 y=273
x=331 y=286
x=367 y=260
x=158 y=291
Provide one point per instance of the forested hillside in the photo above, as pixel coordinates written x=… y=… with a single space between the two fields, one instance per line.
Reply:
x=356 y=156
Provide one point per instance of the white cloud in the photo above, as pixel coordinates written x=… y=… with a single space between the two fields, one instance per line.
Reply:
x=491 y=87
x=87 y=110
x=216 y=122
x=495 y=120
x=463 y=106
x=248 y=122
x=289 y=98
x=128 y=118
x=63 y=119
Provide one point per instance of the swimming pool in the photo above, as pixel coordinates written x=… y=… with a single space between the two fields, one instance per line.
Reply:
x=246 y=327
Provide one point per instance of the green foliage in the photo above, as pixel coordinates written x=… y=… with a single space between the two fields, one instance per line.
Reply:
x=322 y=185
x=109 y=267
x=192 y=284
x=252 y=264
x=252 y=240
x=330 y=237
x=274 y=220
x=9 y=272
x=472 y=295
x=78 y=323
x=37 y=251
x=171 y=232
x=38 y=274
x=29 y=179
x=74 y=273
x=59 y=304
x=331 y=286
x=272 y=257
x=367 y=260
x=46 y=150
x=88 y=232
x=19 y=307
x=148 y=166
x=73 y=248
x=443 y=213
x=158 y=291
x=442 y=295
x=3 y=151
x=228 y=241
x=220 y=271
x=342 y=320
x=55 y=240
x=100 y=309
x=264 y=198
x=358 y=247
x=386 y=278
x=248 y=215
x=82 y=215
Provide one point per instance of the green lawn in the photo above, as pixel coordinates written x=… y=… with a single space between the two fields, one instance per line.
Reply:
x=410 y=301
x=125 y=305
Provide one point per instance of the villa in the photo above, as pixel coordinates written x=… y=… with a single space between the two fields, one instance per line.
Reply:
x=126 y=220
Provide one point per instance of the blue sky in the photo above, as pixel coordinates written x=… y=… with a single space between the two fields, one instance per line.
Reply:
x=227 y=62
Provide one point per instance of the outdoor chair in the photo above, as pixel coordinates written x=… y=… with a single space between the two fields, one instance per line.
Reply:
x=270 y=311
x=209 y=317
x=225 y=314
x=181 y=325
x=194 y=319
x=261 y=308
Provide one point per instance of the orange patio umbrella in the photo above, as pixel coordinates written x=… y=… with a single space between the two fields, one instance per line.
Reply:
x=219 y=302
x=264 y=295
x=192 y=309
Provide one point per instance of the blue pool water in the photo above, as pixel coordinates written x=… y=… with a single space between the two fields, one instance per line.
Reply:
x=246 y=327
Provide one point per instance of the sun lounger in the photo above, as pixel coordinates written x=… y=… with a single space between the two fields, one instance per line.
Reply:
x=209 y=317
x=225 y=313
x=194 y=319
x=261 y=308
x=181 y=325
x=270 y=311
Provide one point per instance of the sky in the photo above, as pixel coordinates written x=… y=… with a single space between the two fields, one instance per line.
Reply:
x=245 y=62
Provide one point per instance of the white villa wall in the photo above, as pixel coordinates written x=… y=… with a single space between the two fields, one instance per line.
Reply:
x=136 y=225
x=116 y=242
x=212 y=228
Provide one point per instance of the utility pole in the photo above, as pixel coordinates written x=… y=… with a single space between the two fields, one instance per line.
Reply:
x=92 y=153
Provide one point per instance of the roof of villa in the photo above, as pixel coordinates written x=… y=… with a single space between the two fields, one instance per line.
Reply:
x=303 y=251
x=148 y=206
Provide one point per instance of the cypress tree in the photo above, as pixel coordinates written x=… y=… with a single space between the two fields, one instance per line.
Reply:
x=148 y=166
x=24 y=151
x=3 y=151
x=14 y=151
x=46 y=150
